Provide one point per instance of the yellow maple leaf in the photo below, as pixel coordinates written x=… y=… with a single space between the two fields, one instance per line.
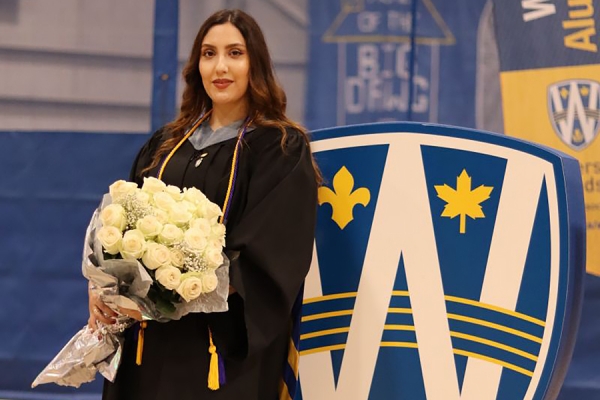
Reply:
x=463 y=201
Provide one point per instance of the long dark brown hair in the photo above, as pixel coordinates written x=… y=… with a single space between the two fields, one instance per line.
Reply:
x=266 y=99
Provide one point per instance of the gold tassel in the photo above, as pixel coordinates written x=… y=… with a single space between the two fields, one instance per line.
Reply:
x=213 y=369
x=140 y=343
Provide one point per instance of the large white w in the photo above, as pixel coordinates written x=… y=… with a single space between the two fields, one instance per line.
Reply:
x=403 y=225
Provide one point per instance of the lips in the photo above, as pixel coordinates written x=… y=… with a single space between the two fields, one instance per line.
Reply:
x=222 y=83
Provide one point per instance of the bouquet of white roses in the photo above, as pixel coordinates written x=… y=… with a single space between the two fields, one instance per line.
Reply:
x=175 y=235
x=154 y=250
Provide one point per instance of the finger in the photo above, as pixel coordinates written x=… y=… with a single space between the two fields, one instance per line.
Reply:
x=106 y=310
x=99 y=315
x=92 y=323
x=135 y=314
x=94 y=326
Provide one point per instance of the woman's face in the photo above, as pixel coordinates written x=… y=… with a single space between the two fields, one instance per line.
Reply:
x=224 y=66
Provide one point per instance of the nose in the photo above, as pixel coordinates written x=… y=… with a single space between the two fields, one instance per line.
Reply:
x=221 y=65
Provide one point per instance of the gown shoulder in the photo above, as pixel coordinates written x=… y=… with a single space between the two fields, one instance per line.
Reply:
x=145 y=155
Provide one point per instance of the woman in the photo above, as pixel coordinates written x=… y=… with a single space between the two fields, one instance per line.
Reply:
x=230 y=94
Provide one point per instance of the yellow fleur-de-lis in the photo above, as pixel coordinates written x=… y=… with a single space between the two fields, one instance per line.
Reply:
x=342 y=198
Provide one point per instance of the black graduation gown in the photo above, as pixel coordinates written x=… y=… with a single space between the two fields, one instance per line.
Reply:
x=269 y=238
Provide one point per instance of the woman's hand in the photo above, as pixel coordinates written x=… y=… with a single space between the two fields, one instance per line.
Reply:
x=99 y=311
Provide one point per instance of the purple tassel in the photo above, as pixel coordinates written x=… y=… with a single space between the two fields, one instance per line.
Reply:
x=222 y=379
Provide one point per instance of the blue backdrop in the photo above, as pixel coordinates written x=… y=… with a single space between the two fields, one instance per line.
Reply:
x=50 y=184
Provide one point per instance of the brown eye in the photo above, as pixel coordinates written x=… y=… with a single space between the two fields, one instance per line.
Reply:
x=208 y=53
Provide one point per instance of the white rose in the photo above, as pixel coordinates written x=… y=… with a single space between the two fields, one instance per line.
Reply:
x=163 y=200
x=214 y=244
x=203 y=224
x=193 y=195
x=177 y=258
x=142 y=197
x=161 y=215
x=209 y=282
x=190 y=287
x=121 y=189
x=133 y=244
x=174 y=192
x=114 y=215
x=153 y=185
x=170 y=234
x=195 y=239
x=209 y=210
x=169 y=277
x=214 y=256
x=150 y=226
x=179 y=215
x=191 y=207
x=110 y=238
x=218 y=233
x=156 y=256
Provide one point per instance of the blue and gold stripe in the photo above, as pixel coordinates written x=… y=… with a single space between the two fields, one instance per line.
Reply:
x=484 y=331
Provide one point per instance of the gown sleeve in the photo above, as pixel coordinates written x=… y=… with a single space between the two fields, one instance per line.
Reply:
x=144 y=157
x=271 y=245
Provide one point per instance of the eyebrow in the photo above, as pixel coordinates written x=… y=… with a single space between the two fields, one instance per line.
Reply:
x=227 y=47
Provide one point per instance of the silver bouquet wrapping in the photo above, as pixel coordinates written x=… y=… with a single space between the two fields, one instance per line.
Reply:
x=120 y=284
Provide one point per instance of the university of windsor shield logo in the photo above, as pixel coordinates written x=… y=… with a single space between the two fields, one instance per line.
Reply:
x=447 y=266
x=574 y=108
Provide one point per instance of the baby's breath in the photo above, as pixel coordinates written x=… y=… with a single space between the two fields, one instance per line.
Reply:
x=134 y=209
x=193 y=261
